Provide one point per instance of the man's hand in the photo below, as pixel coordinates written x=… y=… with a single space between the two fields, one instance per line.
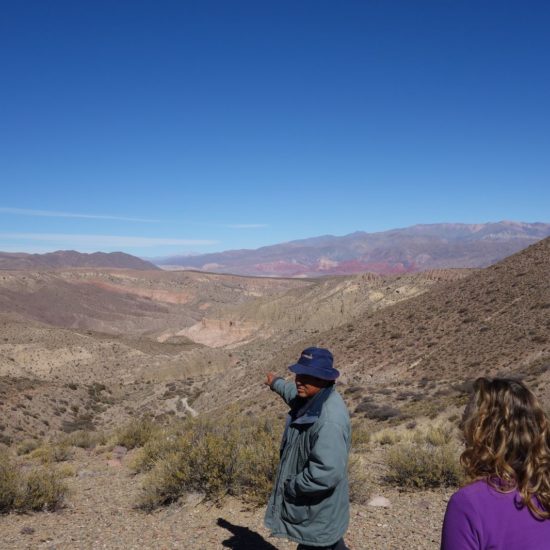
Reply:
x=269 y=378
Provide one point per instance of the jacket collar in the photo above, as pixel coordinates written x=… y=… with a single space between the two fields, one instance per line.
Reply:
x=309 y=412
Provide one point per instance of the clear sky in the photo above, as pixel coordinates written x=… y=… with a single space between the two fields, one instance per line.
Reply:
x=163 y=127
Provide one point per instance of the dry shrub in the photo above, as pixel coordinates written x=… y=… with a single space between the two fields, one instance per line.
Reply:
x=135 y=434
x=52 y=451
x=27 y=446
x=39 y=489
x=230 y=456
x=358 y=480
x=360 y=437
x=437 y=436
x=85 y=439
x=387 y=437
x=158 y=446
x=8 y=483
x=66 y=470
x=429 y=459
x=377 y=412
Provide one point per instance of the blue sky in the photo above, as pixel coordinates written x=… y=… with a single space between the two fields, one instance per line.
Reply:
x=173 y=127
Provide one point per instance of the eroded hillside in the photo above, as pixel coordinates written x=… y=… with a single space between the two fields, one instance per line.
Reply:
x=412 y=358
x=94 y=347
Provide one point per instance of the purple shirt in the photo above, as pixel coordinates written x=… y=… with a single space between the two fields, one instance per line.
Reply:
x=480 y=518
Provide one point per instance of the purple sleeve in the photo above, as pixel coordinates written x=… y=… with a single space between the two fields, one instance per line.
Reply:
x=461 y=527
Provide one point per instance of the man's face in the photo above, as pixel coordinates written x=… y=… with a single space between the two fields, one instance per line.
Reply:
x=308 y=386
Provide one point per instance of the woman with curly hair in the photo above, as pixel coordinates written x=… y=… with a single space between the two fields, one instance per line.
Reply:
x=507 y=457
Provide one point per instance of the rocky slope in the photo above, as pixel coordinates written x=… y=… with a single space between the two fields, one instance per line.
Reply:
x=414 y=356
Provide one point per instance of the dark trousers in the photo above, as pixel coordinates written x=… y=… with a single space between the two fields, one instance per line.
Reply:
x=340 y=545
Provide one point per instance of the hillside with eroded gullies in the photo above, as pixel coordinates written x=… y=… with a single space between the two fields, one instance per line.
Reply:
x=321 y=305
x=148 y=335
x=413 y=356
x=127 y=302
x=153 y=340
x=96 y=362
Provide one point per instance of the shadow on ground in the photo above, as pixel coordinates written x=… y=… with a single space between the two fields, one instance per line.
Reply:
x=243 y=538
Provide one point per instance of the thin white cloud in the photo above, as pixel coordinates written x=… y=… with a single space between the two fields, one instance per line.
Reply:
x=55 y=214
x=77 y=240
x=246 y=225
x=18 y=248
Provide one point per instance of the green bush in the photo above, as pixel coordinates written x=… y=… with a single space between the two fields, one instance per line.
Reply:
x=230 y=456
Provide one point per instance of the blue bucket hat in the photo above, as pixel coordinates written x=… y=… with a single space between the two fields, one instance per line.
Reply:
x=316 y=362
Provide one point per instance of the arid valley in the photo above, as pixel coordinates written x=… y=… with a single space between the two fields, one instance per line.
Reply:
x=86 y=352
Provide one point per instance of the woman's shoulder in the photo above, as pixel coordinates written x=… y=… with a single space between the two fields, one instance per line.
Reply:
x=469 y=492
x=481 y=491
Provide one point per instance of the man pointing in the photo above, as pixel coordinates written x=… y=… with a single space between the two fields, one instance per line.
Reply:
x=310 y=501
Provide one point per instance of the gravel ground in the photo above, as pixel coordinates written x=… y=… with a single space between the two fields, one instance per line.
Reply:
x=99 y=515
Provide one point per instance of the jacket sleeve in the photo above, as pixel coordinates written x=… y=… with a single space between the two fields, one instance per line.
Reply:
x=461 y=525
x=326 y=465
x=287 y=390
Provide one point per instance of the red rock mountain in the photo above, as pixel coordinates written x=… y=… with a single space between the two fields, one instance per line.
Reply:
x=416 y=248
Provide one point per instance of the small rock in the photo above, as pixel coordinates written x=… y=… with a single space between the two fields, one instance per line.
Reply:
x=119 y=451
x=27 y=530
x=382 y=502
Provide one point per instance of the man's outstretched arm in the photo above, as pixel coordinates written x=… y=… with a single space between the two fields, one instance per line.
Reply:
x=287 y=390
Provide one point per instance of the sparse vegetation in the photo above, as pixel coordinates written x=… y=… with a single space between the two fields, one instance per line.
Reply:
x=359 y=490
x=387 y=437
x=52 y=451
x=38 y=489
x=27 y=446
x=135 y=434
x=429 y=459
x=436 y=436
x=360 y=436
x=8 y=483
x=41 y=489
x=85 y=439
x=233 y=456
x=377 y=412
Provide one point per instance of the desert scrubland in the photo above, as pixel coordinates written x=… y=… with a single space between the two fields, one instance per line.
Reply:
x=133 y=412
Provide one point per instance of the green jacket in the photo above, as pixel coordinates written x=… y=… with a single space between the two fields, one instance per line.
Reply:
x=310 y=500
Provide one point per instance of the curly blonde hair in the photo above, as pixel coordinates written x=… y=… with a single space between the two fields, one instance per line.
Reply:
x=508 y=441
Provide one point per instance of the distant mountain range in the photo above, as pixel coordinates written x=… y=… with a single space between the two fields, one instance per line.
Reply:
x=410 y=249
x=63 y=259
